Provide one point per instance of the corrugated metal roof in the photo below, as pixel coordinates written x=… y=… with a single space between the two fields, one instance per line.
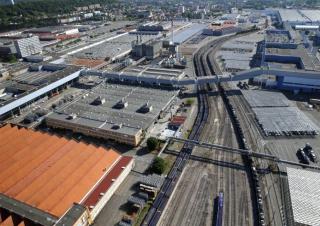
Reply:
x=181 y=36
x=304 y=188
x=49 y=172
x=33 y=95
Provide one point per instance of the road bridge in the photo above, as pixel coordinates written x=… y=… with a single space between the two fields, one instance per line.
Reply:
x=238 y=76
x=242 y=152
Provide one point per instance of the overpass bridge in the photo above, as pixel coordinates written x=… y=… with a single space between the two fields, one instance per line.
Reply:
x=177 y=82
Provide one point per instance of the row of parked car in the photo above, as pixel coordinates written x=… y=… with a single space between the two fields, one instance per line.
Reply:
x=306 y=154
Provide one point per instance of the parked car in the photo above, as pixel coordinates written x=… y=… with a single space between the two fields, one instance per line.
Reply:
x=310 y=153
x=302 y=156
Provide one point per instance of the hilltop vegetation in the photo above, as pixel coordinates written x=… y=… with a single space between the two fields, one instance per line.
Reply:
x=40 y=12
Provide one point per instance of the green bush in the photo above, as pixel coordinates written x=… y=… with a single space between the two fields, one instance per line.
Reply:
x=189 y=102
x=159 y=165
x=152 y=143
x=9 y=59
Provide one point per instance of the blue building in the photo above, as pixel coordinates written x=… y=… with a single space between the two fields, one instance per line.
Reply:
x=290 y=50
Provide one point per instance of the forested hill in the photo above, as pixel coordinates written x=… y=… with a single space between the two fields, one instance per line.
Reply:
x=37 y=12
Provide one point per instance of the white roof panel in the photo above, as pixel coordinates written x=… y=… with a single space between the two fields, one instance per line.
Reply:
x=304 y=188
x=313 y=15
x=292 y=15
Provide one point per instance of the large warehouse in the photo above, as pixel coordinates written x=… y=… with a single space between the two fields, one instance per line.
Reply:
x=291 y=50
x=296 y=16
x=50 y=180
x=37 y=82
x=118 y=112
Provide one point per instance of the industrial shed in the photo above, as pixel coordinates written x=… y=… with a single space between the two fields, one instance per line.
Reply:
x=50 y=180
x=118 y=112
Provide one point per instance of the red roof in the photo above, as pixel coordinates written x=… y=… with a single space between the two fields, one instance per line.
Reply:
x=93 y=198
x=178 y=119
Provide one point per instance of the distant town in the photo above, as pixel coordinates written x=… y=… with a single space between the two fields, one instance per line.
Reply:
x=148 y=113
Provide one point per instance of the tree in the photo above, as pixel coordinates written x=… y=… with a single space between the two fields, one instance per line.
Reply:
x=11 y=58
x=152 y=143
x=159 y=165
x=189 y=102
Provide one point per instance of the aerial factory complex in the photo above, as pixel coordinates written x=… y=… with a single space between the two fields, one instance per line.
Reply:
x=159 y=113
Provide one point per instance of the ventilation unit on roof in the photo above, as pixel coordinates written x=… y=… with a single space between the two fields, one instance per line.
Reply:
x=116 y=126
x=121 y=104
x=99 y=101
x=146 y=108
x=72 y=116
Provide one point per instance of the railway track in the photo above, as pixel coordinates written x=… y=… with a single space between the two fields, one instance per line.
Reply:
x=223 y=177
x=167 y=188
x=229 y=180
x=236 y=203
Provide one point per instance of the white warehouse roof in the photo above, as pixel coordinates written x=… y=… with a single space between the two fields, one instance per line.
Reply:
x=306 y=27
x=304 y=189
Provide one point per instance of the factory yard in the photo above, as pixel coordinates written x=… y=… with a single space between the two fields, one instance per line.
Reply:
x=97 y=91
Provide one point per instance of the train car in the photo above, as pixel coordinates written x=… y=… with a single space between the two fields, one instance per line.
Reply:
x=219 y=213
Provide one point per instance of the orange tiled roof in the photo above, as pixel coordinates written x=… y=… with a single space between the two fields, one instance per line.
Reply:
x=49 y=172
x=7 y=222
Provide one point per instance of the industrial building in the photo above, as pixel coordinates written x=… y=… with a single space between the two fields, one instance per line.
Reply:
x=54 y=32
x=155 y=72
x=150 y=76
x=184 y=33
x=220 y=29
x=290 y=50
x=298 y=17
x=154 y=29
x=280 y=39
x=20 y=46
x=237 y=55
x=305 y=197
x=112 y=49
x=117 y=112
x=149 y=50
x=49 y=180
x=37 y=82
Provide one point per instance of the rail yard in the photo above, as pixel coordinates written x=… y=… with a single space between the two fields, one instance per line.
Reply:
x=162 y=120
x=199 y=174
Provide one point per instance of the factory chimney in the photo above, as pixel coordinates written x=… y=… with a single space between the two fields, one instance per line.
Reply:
x=172 y=31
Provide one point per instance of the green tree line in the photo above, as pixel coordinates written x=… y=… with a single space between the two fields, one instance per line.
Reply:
x=41 y=12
